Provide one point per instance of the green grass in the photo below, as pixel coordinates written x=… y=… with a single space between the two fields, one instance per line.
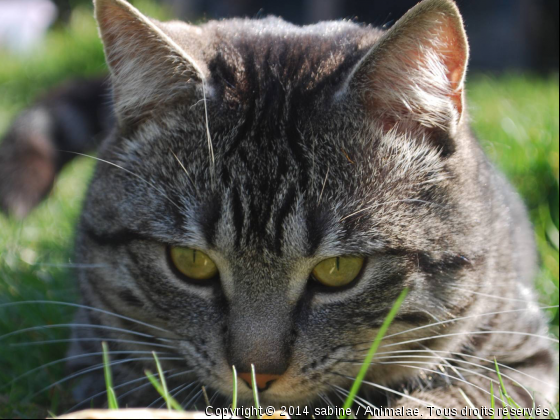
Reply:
x=371 y=352
x=161 y=386
x=515 y=116
x=112 y=403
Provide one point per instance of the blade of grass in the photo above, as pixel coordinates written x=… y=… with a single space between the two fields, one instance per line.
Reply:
x=111 y=396
x=505 y=394
x=371 y=353
x=492 y=400
x=163 y=382
x=502 y=396
x=205 y=395
x=469 y=402
x=255 y=390
x=234 y=399
x=159 y=388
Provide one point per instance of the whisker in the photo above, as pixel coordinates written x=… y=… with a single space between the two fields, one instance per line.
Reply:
x=79 y=340
x=453 y=377
x=342 y=394
x=71 y=265
x=214 y=397
x=186 y=172
x=392 y=391
x=193 y=384
x=324 y=183
x=209 y=137
x=503 y=375
x=491 y=362
x=417 y=340
x=127 y=171
x=120 y=397
x=79 y=306
x=192 y=392
x=464 y=318
x=93 y=326
x=447 y=363
x=460 y=377
x=408 y=200
x=193 y=400
x=160 y=398
x=116 y=387
x=101 y=366
x=357 y=397
x=326 y=399
x=67 y=359
x=494 y=296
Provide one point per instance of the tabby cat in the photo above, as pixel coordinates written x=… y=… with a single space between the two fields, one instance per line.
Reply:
x=266 y=192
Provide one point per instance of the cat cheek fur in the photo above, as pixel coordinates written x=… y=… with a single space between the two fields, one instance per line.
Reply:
x=271 y=147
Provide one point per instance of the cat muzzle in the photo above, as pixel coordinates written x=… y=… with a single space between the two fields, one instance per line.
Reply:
x=263 y=380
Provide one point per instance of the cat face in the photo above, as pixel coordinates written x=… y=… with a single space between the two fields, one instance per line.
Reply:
x=268 y=149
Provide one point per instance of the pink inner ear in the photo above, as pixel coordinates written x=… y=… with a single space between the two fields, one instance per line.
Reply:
x=417 y=74
x=455 y=56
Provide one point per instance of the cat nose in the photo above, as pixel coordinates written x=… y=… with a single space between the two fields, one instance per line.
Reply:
x=263 y=380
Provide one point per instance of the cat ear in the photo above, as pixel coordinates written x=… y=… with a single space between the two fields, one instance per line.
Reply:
x=147 y=67
x=414 y=76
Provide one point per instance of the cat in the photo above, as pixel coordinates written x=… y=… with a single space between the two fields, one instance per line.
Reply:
x=264 y=194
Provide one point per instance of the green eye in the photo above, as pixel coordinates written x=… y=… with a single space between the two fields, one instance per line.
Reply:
x=193 y=263
x=338 y=271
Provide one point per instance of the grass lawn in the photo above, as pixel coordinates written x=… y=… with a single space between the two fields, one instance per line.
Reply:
x=516 y=118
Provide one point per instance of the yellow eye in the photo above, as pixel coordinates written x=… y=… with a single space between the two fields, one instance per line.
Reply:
x=193 y=263
x=338 y=271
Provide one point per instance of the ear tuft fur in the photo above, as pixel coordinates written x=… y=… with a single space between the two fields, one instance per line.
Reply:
x=147 y=67
x=414 y=76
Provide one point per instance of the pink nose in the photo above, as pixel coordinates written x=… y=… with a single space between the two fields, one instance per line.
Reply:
x=263 y=380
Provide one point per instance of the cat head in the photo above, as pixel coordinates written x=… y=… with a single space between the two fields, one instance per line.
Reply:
x=264 y=150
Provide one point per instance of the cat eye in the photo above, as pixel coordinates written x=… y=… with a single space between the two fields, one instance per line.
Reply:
x=193 y=263
x=338 y=271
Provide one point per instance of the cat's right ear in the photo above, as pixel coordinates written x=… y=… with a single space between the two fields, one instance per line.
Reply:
x=413 y=77
x=147 y=67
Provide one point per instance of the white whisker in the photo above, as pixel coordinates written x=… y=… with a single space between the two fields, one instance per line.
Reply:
x=186 y=172
x=126 y=394
x=71 y=265
x=79 y=306
x=495 y=296
x=392 y=391
x=67 y=359
x=172 y=393
x=452 y=377
x=503 y=375
x=116 y=387
x=80 y=340
x=210 y=147
x=92 y=326
x=448 y=321
x=129 y=172
x=101 y=366
x=192 y=400
x=417 y=340
x=357 y=399
x=491 y=362
x=324 y=183
x=407 y=200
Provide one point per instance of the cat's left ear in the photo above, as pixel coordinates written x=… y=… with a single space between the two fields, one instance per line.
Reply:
x=413 y=78
x=148 y=68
